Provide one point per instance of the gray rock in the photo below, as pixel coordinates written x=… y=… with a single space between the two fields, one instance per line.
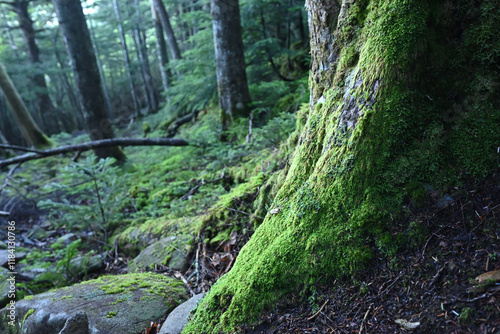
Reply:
x=4 y=286
x=124 y=304
x=171 y=251
x=4 y=257
x=178 y=318
x=82 y=264
x=3 y=245
x=77 y=324
x=30 y=272
x=63 y=241
x=38 y=233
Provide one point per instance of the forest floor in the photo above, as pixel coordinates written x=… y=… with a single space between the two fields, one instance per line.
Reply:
x=431 y=289
x=429 y=285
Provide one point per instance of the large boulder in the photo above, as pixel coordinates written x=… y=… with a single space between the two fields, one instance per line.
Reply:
x=124 y=304
x=171 y=251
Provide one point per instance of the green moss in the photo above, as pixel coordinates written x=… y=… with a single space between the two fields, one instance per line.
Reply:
x=30 y=312
x=349 y=182
x=111 y=314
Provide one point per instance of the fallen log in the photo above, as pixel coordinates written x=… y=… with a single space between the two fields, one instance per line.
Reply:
x=91 y=145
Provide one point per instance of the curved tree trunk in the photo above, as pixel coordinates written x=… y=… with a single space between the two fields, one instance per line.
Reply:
x=232 y=86
x=31 y=132
x=79 y=46
x=403 y=94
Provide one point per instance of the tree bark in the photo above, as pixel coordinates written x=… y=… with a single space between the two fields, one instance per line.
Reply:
x=380 y=127
x=103 y=143
x=45 y=107
x=144 y=59
x=161 y=48
x=232 y=86
x=31 y=132
x=101 y=71
x=175 y=52
x=79 y=46
x=126 y=58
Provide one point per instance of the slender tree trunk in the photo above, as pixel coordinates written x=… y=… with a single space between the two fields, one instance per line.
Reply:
x=101 y=71
x=31 y=132
x=126 y=57
x=77 y=109
x=232 y=86
x=45 y=106
x=161 y=47
x=144 y=89
x=79 y=46
x=141 y=38
x=175 y=52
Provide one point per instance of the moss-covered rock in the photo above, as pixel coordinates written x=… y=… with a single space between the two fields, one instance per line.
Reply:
x=142 y=234
x=172 y=251
x=133 y=300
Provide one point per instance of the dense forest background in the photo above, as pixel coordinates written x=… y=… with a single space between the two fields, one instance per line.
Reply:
x=130 y=44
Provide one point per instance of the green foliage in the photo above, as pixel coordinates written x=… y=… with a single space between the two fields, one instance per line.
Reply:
x=69 y=254
x=90 y=196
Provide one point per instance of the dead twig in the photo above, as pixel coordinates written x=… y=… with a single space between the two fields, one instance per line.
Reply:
x=364 y=319
x=321 y=309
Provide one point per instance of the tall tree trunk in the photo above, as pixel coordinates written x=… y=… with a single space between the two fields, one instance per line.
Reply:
x=45 y=107
x=31 y=132
x=77 y=109
x=141 y=38
x=380 y=127
x=175 y=52
x=126 y=57
x=161 y=48
x=144 y=88
x=232 y=86
x=101 y=71
x=79 y=46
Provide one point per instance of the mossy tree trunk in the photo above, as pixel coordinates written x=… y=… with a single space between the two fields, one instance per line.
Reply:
x=403 y=93
x=29 y=129
x=232 y=85
x=88 y=83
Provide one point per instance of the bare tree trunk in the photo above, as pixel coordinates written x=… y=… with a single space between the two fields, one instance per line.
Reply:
x=234 y=96
x=77 y=109
x=161 y=47
x=31 y=132
x=167 y=28
x=126 y=57
x=143 y=77
x=141 y=38
x=101 y=71
x=77 y=39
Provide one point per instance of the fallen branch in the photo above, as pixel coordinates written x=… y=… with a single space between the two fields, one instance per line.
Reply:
x=95 y=144
x=172 y=129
